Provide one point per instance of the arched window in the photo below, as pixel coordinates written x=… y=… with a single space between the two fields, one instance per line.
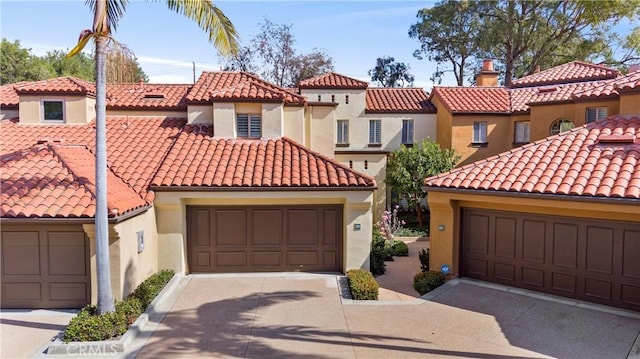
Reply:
x=560 y=125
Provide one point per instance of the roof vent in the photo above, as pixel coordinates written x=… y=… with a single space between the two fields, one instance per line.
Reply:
x=547 y=89
x=154 y=96
x=616 y=139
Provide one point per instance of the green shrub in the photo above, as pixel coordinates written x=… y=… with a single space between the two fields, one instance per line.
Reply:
x=388 y=250
x=411 y=232
x=150 y=288
x=400 y=249
x=362 y=285
x=378 y=253
x=88 y=326
x=424 y=282
x=423 y=256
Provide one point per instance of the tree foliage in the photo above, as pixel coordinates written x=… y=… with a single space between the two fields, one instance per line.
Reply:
x=19 y=64
x=273 y=55
x=407 y=168
x=389 y=73
x=521 y=35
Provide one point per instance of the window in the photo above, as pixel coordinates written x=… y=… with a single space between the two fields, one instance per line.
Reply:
x=560 y=125
x=596 y=114
x=374 y=132
x=479 y=132
x=522 y=132
x=407 y=132
x=319 y=98
x=249 y=125
x=342 y=137
x=52 y=110
x=346 y=99
x=333 y=98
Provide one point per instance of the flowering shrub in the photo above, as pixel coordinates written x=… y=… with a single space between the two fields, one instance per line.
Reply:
x=390 y=223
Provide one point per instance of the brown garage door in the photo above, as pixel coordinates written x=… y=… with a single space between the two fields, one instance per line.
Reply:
x=265 y=238
x=45 y=267
x=590 y=260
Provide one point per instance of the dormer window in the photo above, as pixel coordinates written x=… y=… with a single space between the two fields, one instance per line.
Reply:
x=248 y=125
x=52 y=111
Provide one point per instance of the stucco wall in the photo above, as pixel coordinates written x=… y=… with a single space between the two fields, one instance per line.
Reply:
x=200 y=114
x=445 y=210
x=630 y=103
x=390 y=131
x=354 y=109
x=172 y=228
x=322 y=129
x=498 y=140
x=294 y=123
x=272 y=120
x=224 y=121
x=443 y=123
x=128 y=267
x=77 y=109
x=376 y=166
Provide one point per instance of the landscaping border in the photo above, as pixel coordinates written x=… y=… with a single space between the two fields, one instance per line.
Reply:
x=111 y=347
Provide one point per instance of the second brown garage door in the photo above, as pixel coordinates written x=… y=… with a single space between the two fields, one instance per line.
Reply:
x=590 y=260
x=264 y=238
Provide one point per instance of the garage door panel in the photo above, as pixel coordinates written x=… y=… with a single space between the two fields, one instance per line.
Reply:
x=593 y=260
x=21 y=253
x=330 y=259
x=631 y=254
x=267 y=259
x=267 y=230
x=201 y=227
x=479 y=240
x=67 y=253
x=599 y=250
x=203 y=259
x=302 y=258
x=565 y=245
x=231 y=259
x=505 y=244
x=533 y=249
x=302 y=227
x=230 y=228
x=68 y=292
x=22 y=291
x=330 y=233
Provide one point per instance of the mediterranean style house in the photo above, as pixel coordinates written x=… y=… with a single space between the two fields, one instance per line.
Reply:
x=229 y=174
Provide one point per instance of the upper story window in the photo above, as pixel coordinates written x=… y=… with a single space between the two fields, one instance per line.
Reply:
x=375 y=132
x=249 y=125
x=342 y=133
x=521 y=133
x=53 y=111
x=319 y=98
x=407 y=132
x=346 y=99
x=560 y=125
x=479 y=133
x=596 y=114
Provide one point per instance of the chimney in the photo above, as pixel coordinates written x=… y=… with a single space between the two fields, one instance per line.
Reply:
x=487 y=76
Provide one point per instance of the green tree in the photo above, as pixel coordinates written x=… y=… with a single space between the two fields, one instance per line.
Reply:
x=107 y=13
x=408 y=167
x=80 y=66
x=448 y=34
x=18 y=64
x=389 y=73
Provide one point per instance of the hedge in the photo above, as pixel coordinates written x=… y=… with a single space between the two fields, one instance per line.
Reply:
x=362 y=285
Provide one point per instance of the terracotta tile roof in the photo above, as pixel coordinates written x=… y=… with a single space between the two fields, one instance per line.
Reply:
x=9 y=96
x=55 y=182
x=474 y=99
x=600 y=159
x=398 y=100
x=332 y=80
x=230 y=86
x=522 y=97
x=144 y=96
x=611 y=87
x=58 y=85
x=574 y=71
x=135 y=146
x=198 y=159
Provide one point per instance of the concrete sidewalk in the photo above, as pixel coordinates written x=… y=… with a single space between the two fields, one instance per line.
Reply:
x=397 y=282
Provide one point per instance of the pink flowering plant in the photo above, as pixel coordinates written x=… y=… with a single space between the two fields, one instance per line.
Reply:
x=390 y=223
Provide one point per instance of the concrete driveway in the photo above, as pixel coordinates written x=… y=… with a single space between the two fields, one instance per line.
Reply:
x=302 y=315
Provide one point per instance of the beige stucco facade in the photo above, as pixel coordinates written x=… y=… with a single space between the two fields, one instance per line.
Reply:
x=375 y=165
x=129 y=267
x=629 y=102
x=446 y=208
x=78 y=109
x=171 y=214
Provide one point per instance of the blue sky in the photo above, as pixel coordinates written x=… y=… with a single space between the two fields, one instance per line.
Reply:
x=354 y=33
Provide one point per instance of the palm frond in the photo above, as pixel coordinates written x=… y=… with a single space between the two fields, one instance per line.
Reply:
x=115 y=10
x=211 y=19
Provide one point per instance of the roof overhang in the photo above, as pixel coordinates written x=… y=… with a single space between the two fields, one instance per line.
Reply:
x=260 y=189
x=80 y=220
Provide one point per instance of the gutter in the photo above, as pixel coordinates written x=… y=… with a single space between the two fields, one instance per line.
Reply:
x=544 y=196
x=81 y=220
x=257 y=189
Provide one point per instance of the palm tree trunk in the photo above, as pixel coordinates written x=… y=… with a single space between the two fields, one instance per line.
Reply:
x=105 y=295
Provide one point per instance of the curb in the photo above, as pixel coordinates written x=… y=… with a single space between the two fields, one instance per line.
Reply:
x=154 y=313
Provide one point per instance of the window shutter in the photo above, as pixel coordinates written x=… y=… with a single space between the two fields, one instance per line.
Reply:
x=602 y=113
x=374 y=131
x=256 y=126
x=242 y=125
